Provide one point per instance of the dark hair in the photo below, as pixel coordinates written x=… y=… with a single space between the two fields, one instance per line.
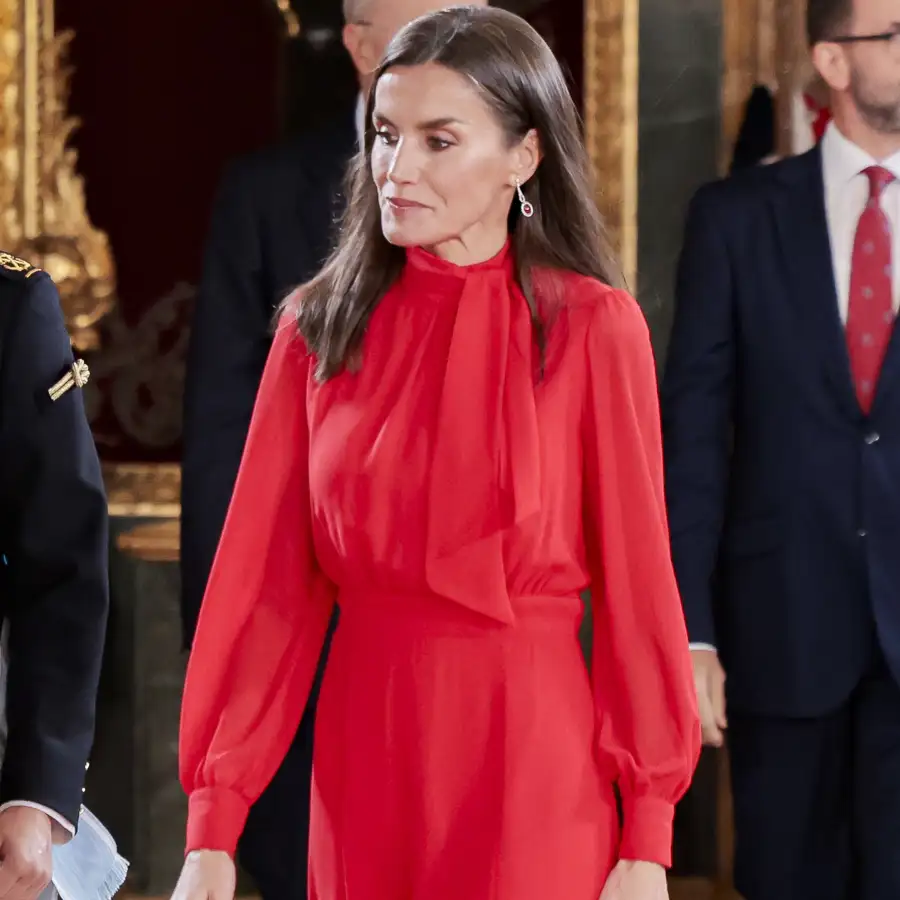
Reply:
x=825 y=19
x=522 y=83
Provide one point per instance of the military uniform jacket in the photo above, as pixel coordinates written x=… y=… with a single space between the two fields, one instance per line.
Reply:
x=53 y=538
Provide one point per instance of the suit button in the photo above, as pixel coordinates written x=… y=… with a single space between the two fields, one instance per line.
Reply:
x=872 y=438
x=862 y=532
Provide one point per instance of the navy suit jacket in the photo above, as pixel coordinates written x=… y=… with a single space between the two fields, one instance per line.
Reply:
x=784 y=497
x=271 y=229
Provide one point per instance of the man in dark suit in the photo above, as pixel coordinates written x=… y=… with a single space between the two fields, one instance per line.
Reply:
x=53 y=577
x=271 y=230
x=781 y=408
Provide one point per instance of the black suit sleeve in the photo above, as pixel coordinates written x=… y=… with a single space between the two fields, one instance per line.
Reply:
x=697 y=404
x=55 y=534
x=230 y=340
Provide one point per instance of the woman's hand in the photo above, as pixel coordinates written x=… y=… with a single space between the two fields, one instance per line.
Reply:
x=636 y=880
x=206 y=875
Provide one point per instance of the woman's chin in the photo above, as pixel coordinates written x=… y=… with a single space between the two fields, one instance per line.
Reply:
x=398 y=235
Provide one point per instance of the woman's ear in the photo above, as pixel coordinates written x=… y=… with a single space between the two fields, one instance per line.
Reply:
x=527 y=156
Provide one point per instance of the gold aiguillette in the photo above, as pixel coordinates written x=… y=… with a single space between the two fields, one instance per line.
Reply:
x=77 y=376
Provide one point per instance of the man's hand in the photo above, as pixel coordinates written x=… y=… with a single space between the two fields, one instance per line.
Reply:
x=709 y=680
x=26 y=861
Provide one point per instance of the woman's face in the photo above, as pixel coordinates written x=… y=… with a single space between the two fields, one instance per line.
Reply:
x=444 y=172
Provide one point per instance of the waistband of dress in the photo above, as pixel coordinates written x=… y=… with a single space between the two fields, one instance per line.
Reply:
x=396 y=609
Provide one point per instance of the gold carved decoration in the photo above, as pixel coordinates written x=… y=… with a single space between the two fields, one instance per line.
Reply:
x=611 y=117
x=764 y=42
x=43 y=215
x=152 y=542
x=151 y=490
x=291 y=19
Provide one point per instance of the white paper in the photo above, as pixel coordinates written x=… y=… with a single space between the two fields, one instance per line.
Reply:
x=88 y=867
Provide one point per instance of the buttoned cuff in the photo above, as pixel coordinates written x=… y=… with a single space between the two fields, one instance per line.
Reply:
x=216 y=818
x=647 y=830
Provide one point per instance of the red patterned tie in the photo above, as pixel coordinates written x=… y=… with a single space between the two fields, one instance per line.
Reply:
x=870 y=316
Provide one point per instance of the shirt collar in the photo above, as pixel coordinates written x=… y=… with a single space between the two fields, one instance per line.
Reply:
x=842 y=160
x=360 y=119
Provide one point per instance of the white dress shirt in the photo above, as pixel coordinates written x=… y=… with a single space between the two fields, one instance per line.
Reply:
x=360 y=119
x=846 y=195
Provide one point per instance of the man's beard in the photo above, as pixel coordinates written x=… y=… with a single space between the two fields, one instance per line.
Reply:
x=878 y=114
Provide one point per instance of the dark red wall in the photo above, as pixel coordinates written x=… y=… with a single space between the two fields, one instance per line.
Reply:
x=167 y=91
x=561 y=23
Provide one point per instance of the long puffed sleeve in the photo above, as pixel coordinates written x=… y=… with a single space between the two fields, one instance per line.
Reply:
x=648 y=726
x=264 y=616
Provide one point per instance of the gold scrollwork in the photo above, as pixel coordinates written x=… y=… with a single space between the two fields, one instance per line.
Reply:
x=152 y=541
x=291 y=19
x=143 y=490
x=43 y=214
x=611 y=117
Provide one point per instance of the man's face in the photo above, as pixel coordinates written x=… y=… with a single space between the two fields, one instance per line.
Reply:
x=875 y=66
x=869 y=70
x=367 y=39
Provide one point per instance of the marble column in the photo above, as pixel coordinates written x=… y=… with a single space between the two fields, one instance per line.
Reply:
x=680 y=86
x=679 y=111
x=133 y=780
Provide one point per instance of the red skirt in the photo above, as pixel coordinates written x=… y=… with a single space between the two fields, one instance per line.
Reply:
x=454 y=757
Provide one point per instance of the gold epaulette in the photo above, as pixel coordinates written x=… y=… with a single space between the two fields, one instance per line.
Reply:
x=15 y=267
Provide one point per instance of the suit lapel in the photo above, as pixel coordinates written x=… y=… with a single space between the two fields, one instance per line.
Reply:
x=799 y=212
x=890 y=369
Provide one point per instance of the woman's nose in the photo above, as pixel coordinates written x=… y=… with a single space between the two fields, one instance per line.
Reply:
x=403 y=167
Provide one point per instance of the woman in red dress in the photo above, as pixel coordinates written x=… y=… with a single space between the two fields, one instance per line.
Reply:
x=457 y=433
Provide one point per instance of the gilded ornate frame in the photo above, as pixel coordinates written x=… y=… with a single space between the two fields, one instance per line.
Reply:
x=763 y=43
x=143 y=490
x=611 y=61
x=292 y=24
x=43 y=215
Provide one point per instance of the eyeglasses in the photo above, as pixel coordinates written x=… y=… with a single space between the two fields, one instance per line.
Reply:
x=883 y=37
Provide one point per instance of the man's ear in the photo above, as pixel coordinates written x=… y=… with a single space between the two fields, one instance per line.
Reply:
x=830 y=61
x=359 y=46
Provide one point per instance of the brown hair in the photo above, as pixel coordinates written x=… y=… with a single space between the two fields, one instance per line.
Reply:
x=522 y=83
x=826 y=18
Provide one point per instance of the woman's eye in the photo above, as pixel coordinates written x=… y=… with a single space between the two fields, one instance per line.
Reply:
x=384 y=136
x=436 y=143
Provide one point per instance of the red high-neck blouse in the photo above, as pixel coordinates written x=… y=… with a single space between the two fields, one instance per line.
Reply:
x=454 y=505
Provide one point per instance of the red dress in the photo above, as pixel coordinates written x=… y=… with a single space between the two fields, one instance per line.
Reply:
x=454 y=506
